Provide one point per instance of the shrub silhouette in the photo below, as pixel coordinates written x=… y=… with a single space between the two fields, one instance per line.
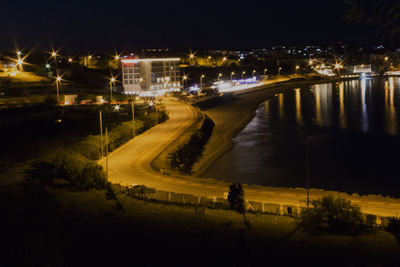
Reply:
x=236 y=200
x=336 y=215
x=394 y=228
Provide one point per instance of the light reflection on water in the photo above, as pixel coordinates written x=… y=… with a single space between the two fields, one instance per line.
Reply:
x=355 y=131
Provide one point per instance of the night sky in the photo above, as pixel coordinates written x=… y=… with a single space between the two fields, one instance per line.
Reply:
x=107 y=25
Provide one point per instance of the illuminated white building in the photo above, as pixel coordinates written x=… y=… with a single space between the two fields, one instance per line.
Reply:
x=359 y=69
x=150 y=74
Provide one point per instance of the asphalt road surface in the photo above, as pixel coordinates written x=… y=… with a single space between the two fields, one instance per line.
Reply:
x=130 y=164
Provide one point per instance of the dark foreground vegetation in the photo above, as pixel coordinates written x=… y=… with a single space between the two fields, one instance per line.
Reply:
x=70 y=216
x=45 y=226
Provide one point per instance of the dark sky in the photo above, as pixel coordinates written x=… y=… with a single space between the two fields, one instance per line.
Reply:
x=101 y=24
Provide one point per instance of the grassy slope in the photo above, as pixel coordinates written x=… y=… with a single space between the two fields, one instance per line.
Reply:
x=84 y=229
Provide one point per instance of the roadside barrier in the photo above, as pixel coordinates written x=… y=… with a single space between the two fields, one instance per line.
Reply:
x=151 y=194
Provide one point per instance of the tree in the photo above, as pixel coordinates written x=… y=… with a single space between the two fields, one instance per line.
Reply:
x=381 y=14
x=236 y=200
x=394 y=227
x=336 y=215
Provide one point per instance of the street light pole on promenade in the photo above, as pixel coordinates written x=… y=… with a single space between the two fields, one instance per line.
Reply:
x=101 y=133
x=133 y=119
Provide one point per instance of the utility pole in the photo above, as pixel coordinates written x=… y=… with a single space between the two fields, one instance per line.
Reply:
x=101 y=134
x=308 y=170
x=106 y=155
x=133 y=119
x=155 y=105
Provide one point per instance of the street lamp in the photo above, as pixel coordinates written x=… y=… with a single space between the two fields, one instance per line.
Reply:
x=20 y=61
x=297 y=69
x=243 y=73
x=252 y=74
x=219 y=76
x=58 y=84
x=265 y=71
x=184 y=78
x=201 y=81
x=386 y=59
x=224 y=59
x=338 y=66
x=191 y=57
x=279 y=71
x=232 y=73
x=112 y=81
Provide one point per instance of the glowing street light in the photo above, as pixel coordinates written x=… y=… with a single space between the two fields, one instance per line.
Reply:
x=265 y=71
x=19 y=63
x=116 y=57
x=219 y=76
x=279 y=71
x=184 y=78
x=254 y=71
x=243 y=73
x=232 y=73
x=191 y=57
x=338 y=66
x=70 y=60
x=58 y=84
x=224 y=59
x=201 y=81
x=19 y=53
x=47 y=66
x=297 y=69
x=310 y=62
x=112 y=81
x=386 y=59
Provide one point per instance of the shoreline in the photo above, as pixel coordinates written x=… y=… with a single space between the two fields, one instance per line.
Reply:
x=233 y=116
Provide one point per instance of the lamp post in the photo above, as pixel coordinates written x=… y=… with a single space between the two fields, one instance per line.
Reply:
x=133 y=120
x=20 y=61
x=58 y=83
x=201 y=81
x=308 y=169
x=191 y=57
x=232 y=73
x=338 y=66
x=219 y=76
x=112 y=81
x=106 y=155
x=279 y=71
x=297 y=69
x=243 y=73
x=101 y=133
x=252 y=74
x=265 y=71
x=184 y=78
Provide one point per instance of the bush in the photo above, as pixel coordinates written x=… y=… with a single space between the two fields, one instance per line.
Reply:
x=335 y=215
x=90 y=147
x=75 y=170
x=40 y=173
x=81 y=173
x=394 y=227
x=186 y=155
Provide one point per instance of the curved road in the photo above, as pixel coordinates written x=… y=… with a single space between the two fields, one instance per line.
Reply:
x=130 y=164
